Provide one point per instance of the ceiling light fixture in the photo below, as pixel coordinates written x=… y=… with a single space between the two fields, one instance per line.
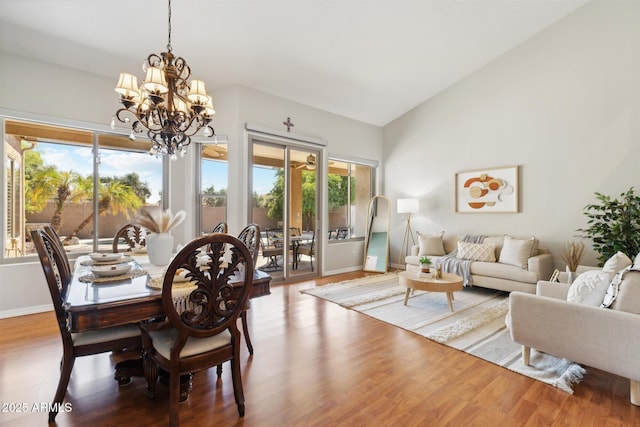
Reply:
x=169 y=107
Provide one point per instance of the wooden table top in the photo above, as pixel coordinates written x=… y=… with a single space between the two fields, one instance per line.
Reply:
x=424 y=281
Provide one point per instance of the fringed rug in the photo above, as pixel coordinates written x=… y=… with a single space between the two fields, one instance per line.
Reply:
x=477 y=326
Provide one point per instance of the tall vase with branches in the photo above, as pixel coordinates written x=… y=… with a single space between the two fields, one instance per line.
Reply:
x=160 y=242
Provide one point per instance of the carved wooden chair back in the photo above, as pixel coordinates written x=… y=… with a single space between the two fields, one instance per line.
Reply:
x=64 y=265
x=250 y=236
x=133 y=235
x=221 y=227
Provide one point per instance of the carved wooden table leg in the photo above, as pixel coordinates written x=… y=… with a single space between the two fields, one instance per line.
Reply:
x=127 y=369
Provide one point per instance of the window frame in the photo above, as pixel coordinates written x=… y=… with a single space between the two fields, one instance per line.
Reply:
x=351 y=162
x=96 y=131
x=198 y=186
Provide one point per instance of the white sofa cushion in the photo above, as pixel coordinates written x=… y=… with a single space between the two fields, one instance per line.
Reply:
x=431 y=244
x=617 y=262
x=590 y=287
x=516 y=252
x=476 y=251
x=503 y=271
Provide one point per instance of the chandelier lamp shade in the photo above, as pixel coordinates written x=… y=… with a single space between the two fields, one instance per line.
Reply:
x=168 y=106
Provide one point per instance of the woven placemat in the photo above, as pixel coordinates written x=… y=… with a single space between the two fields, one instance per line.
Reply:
x=156 y=283
x=121 y=260
x=92 y=278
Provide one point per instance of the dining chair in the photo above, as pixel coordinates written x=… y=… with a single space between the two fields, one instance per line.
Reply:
x=308 y=249
x=205 y=333
x=342 y=233
x=64 y=263
x=274 y=248
x=221 y=227
x=250 y=236
x=133 y=235
x=75 y=344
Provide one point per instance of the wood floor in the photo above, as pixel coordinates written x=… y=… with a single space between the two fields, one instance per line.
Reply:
x=315 y=364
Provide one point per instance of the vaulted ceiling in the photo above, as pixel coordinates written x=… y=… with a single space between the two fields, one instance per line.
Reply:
x=369 y=60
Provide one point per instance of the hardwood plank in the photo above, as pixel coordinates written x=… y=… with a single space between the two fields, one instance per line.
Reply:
x=315 y=364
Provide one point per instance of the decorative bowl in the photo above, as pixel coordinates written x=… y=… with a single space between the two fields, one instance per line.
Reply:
x=111 y=270
x=104 y=257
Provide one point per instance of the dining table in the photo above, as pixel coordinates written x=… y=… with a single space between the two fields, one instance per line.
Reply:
x=94 y=302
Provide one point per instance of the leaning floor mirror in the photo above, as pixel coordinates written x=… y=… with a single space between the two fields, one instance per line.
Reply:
x=376 y=244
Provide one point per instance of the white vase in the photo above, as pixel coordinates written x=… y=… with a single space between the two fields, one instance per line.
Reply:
x=159 y=248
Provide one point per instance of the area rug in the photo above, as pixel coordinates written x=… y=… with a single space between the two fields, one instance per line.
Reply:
x=477 y=326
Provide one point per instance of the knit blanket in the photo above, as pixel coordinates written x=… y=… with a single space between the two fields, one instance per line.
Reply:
x=462 y=267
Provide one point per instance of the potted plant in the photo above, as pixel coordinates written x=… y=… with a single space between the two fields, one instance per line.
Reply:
x=425 y=262
x=614 y=225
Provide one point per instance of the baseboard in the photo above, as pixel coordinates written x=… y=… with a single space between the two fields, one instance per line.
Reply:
x=25 y=310
x=341 y=270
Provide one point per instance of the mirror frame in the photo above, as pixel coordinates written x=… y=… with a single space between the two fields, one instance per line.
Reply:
x=376 y=212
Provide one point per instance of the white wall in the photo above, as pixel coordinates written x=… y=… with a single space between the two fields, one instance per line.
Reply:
x=565 y=106
x=72 y=96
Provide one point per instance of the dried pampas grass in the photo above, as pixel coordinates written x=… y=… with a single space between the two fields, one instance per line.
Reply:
x=572 y=254
x=162 y=222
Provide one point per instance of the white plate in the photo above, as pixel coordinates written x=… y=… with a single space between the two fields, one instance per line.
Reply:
x=104 y=257
x=110 y=270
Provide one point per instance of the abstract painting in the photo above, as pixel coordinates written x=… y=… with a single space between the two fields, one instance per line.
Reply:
x=487 y=190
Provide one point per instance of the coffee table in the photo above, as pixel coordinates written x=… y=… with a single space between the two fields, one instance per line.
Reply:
x=413 y=280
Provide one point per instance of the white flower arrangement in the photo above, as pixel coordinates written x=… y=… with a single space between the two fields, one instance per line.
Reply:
x=162 y=222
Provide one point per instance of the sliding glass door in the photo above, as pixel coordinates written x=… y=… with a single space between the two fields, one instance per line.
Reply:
x=284 y=204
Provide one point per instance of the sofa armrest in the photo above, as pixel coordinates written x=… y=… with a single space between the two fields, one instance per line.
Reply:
x=564 y=276
x=414 y=250
x=552 y=290
x=603 y=338
x=542 y=265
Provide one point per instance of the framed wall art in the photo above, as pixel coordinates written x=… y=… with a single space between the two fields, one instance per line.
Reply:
x=487 y=190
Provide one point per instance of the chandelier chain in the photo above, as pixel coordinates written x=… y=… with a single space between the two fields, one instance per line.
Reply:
x=169 y=42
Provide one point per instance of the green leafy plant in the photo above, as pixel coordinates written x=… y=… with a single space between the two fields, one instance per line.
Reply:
x=614 y=225
x=425 y=260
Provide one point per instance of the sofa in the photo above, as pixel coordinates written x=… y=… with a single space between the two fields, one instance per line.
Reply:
x=503 y=263
x=581 y=329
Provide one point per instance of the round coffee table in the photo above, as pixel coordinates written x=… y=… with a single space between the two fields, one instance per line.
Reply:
x=413 y=280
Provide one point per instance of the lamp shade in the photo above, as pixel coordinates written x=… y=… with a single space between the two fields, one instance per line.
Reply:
x=408 y=205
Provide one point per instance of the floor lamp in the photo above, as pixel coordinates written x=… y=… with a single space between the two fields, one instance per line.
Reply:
x=407 y=206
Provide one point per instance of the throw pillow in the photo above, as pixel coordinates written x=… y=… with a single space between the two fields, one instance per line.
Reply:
x=476 y=251
x=431 y=244
x=617 y=262
x=516 y=252
x=589 y=288
x=628 y=297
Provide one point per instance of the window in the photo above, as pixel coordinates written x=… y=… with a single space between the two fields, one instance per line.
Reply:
x=50 y=179
x=350 y=187
x=213 y=185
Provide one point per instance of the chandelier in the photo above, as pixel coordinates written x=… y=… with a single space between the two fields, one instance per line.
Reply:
x=169 y=107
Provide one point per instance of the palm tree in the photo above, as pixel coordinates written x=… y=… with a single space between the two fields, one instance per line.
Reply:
x=71 y=187
x=41 y=184
x=45 y=183
x=114 y=198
